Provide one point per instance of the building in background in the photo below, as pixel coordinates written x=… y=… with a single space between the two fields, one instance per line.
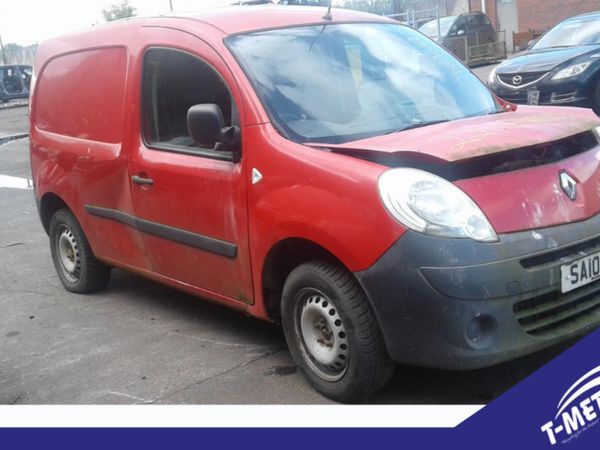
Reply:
x=530 y=18
x=521 y=19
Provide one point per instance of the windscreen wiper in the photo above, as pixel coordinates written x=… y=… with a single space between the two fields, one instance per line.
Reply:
x=418 y=125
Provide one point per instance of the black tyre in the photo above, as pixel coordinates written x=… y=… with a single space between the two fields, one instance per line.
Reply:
x=332 y=333
x=73 y=259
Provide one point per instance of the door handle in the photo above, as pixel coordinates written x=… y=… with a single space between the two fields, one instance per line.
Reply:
x=142 y=180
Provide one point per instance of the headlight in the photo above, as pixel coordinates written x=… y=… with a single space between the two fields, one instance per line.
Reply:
x=427 y=203
x=492 y=77
x=571 y=71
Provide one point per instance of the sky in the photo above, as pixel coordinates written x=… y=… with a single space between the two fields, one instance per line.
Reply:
x=26 y=22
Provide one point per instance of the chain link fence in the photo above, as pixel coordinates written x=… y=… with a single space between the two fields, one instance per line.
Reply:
x=477 y=48
x=417 y=18
x=381 y=7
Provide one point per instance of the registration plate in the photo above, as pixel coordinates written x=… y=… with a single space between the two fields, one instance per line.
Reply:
x=580 y=272
x=533 y=97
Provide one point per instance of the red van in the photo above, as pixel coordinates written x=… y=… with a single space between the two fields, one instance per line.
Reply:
x=345 y=176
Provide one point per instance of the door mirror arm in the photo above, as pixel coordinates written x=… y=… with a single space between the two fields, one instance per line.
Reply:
x=230 y=141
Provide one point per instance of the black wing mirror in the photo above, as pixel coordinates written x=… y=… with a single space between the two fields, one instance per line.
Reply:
x=207 y=128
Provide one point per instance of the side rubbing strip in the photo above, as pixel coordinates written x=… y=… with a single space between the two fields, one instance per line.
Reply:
x=200 y=241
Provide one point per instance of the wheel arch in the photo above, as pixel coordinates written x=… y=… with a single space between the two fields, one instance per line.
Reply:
x=48 y=205
x=596 y=93
x=282 y=258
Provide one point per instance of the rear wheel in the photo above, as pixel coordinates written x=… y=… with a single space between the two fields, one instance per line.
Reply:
x=332 y=333
x=78 y=269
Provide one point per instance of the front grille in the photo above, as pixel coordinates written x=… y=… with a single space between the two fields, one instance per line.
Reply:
x=518 y=97
x=512 y=79
x=557 y=314
x=562 y=255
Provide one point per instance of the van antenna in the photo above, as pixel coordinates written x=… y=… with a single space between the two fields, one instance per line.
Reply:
x=327 y=15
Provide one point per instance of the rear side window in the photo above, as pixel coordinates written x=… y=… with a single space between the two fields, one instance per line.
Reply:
x=81 y=95
x=173 y=82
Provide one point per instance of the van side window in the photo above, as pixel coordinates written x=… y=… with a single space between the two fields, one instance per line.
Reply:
x=173 y=81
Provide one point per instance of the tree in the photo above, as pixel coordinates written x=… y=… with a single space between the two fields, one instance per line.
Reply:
x=12 y=47
x=119 y=11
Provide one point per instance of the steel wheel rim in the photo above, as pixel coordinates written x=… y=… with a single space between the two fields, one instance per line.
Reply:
x=325 y=346
x=68 y=254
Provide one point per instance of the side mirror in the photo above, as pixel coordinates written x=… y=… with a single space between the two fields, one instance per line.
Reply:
x=207 y=128
x=460 y=32
x=205 y=124
x=531 y=43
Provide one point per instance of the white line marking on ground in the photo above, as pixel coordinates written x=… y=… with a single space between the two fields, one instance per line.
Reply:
x=6 y=181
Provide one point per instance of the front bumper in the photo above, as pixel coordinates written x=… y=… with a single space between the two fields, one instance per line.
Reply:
x=462 y=304
x=571 y=92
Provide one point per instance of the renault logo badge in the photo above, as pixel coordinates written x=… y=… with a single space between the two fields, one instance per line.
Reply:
x=568 y=185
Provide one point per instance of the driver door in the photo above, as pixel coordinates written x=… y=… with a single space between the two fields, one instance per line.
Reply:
x=190 y=202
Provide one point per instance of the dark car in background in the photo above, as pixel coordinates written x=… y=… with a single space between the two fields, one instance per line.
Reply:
x=475 y=26
x=561 y=68
x=14 y=81
x=471 y=37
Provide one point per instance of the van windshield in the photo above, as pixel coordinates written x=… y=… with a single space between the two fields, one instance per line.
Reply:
x=341 y=82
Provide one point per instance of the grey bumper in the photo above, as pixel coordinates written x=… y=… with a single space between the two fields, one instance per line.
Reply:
x=462 y=304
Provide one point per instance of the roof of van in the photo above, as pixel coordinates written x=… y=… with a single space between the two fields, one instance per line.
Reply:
x=240 y=19
x=224 y=21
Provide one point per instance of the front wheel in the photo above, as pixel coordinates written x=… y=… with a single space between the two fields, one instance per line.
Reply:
x=332 y=333
x=78 y=269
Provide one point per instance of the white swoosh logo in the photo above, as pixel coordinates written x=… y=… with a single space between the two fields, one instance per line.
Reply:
x=562 y=404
